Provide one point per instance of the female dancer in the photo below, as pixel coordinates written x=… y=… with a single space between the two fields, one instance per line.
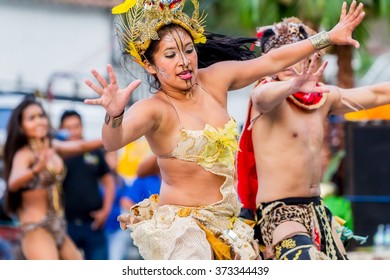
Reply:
x=34 y=172
x=188 y=127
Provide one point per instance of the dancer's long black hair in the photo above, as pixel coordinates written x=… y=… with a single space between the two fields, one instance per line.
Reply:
x=217 y=48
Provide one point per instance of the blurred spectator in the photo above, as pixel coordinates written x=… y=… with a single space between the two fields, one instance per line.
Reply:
x=148 y=167
x=3 y=216
x=148 y=180
x=34 y=171
x=138 y=165
x=119 y=244
x=130 y=158
x=6 y=252
x=146 y=183
x=86 y=210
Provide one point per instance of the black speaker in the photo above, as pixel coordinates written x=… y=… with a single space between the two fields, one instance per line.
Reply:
x=367 y=174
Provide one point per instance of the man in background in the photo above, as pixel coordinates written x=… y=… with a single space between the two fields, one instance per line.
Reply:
x=86 y=208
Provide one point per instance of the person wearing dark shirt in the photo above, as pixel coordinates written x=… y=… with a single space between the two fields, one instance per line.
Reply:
x=86 y=209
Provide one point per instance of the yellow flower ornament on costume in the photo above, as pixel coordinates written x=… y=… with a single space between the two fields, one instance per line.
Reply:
x=140 y=21
x=222 y=145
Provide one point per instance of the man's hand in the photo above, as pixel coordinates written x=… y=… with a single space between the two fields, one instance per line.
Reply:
x=100 y=217
x=307 y=80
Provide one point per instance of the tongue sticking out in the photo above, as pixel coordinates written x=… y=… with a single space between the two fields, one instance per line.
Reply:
x=186 y=75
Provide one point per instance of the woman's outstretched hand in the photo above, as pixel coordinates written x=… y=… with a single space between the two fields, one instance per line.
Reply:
x=112 y=98
x=341 y=34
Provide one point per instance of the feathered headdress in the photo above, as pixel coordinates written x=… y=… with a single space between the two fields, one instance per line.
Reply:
x=290 y=30
x=141 y=19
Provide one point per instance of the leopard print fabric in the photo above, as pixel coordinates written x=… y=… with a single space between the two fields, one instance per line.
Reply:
x=321 y=236
x=278 y=213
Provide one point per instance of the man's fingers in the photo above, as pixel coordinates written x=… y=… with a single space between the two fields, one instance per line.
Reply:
x=321 y=89
x=321 y=69
x=305 y=65
x=296 y=72
x=313 y=63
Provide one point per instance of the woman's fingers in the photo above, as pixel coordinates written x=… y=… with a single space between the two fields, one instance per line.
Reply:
x=99 y=78
x=95 y=88
x=97 y=101
x=111 y=74
x=343 y=11
x=358 y=19
x=351 y=9
x=133 y=85
x=358 y=11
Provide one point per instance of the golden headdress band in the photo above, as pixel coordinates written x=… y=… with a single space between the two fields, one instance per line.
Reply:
x=141 y=20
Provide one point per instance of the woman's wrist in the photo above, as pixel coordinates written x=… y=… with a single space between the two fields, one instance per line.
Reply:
x=320 y=40
x=116 y=121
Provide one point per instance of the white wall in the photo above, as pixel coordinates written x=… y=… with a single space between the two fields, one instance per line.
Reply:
x=39 y=39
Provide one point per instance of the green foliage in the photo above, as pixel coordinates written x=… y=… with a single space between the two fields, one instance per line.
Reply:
x=365 y=62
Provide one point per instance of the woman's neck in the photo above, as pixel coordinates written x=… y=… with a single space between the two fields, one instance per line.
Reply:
x=179 y=95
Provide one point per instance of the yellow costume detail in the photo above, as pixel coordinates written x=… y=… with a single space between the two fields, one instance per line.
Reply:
x=199 y=232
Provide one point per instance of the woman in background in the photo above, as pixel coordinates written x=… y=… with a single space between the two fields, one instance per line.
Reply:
x=34 y=171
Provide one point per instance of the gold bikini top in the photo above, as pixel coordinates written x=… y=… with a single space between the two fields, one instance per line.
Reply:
x=212 y=148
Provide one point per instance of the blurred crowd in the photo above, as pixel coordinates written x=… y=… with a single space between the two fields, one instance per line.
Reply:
x=97 y=188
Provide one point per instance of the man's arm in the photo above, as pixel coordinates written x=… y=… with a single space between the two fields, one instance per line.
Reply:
x=75 y=147
x=349 y=100
x=269 y=94
x=100 y=216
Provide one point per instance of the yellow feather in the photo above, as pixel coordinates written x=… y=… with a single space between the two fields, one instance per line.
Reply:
x=124 y=7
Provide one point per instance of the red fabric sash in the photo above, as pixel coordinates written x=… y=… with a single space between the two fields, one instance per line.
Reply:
x=246 y=167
